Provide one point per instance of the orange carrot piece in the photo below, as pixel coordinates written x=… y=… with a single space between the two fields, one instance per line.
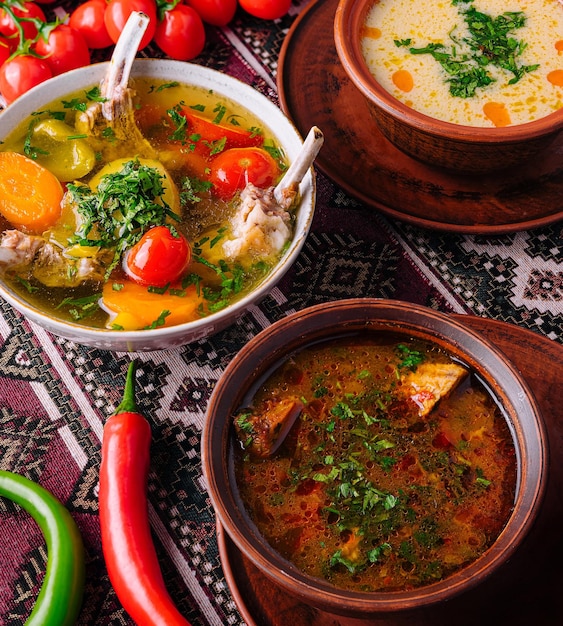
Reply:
x=403 y=80
x=30 y=196
x=497 y=113
x=132 y=306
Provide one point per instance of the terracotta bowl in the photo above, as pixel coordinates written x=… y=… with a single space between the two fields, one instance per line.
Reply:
x=212 y=80
x=452 y=146
x=324 y=321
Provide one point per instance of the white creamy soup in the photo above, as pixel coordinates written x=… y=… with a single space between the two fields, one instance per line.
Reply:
x=476 y=63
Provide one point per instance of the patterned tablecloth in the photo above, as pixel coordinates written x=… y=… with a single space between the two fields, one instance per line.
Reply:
x=55 y=395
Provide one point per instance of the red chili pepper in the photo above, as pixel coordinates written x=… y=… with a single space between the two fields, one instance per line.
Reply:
x=127 y=544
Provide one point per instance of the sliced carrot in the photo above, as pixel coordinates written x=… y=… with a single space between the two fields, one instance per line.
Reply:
x=132 y=306
x=556 y=78
x=497 y=113
x=403 y=80
x=370 y=32
x=30 y=196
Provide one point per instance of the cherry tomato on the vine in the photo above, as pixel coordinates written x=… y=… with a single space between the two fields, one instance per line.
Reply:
x=215 y=12
x=118 y=11
x=20 y=74
x=88 y=18
x=65 y=49
x=180 y=34
x=232 y=169
x=28 y=10
x=158 y=258
x=5 y=49
x=266 y=9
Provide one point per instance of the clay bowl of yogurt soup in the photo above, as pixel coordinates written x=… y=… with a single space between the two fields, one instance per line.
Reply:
x=130 y=228
x=472 y=86
x=373 y=456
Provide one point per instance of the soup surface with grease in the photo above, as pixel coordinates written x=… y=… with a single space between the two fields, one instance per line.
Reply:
x=375 y=461
x=160 y=217
x=486 y=63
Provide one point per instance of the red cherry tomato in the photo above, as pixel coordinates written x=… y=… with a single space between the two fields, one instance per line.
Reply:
x=5 y=49
x=232 y=169
x=118 y=11
x=266 y=9
x=88 y=18
x=158 y=258
x=180 y=34
x=28 y=10
x=65 y=49
x=21 y=74
x=215 y=12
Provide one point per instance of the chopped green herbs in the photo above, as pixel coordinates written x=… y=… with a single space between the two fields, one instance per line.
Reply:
x=490 y=43
x=369 y=494
x=125 y=205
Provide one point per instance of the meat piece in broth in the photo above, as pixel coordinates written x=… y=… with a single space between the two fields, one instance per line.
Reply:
x=263 y=434
x=114 y=112
x=261 y=224
x=47 y=262
x=430 y=382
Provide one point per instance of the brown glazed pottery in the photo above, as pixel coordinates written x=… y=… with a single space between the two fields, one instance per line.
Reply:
x=332 y=319
x=452 y=146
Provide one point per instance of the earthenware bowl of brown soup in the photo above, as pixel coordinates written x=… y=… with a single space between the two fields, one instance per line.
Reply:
x=436 y=88
x=373 y=456
x=186 y=115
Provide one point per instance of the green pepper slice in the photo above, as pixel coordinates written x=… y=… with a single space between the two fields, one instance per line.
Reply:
x=60 y=598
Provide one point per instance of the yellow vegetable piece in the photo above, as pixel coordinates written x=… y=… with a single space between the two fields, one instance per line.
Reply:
x=171 y=194
x=30 y=195
x=66 y=156
x=132 y=306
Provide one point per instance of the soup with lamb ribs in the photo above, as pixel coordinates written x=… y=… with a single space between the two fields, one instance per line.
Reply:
x=375 y=462
x=162 y=218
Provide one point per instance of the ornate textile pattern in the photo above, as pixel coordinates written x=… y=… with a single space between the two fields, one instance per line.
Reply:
x=483 y=273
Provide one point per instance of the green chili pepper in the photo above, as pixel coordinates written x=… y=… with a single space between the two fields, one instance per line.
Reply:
x=60 y=597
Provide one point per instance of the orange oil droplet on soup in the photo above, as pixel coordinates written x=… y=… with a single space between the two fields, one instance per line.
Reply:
x=497 y=113
x=370 y=31
x=556 y=78
x=402 y=79
x=559 y=46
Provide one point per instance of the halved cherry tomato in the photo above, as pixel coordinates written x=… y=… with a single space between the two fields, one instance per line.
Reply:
x=266 y=9
x=210 y=132
x=180 y=34
x=232 y=169
x=88 y=18
x=158 y=258
x=20 y=74
x=65 y=49
x=215 y=12
x=118 y=11
x=28 y=10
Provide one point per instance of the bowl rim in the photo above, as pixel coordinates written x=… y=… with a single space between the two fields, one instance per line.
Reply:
x=349 y=16
x=295 y=330
x=243 y=93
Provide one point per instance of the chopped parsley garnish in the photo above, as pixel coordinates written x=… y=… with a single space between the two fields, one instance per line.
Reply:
x=490 y=42
x=410 y=359
x=81 y=308
x=125 y=205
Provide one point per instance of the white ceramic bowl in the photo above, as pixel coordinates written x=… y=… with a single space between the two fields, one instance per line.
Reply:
x=191 y=74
